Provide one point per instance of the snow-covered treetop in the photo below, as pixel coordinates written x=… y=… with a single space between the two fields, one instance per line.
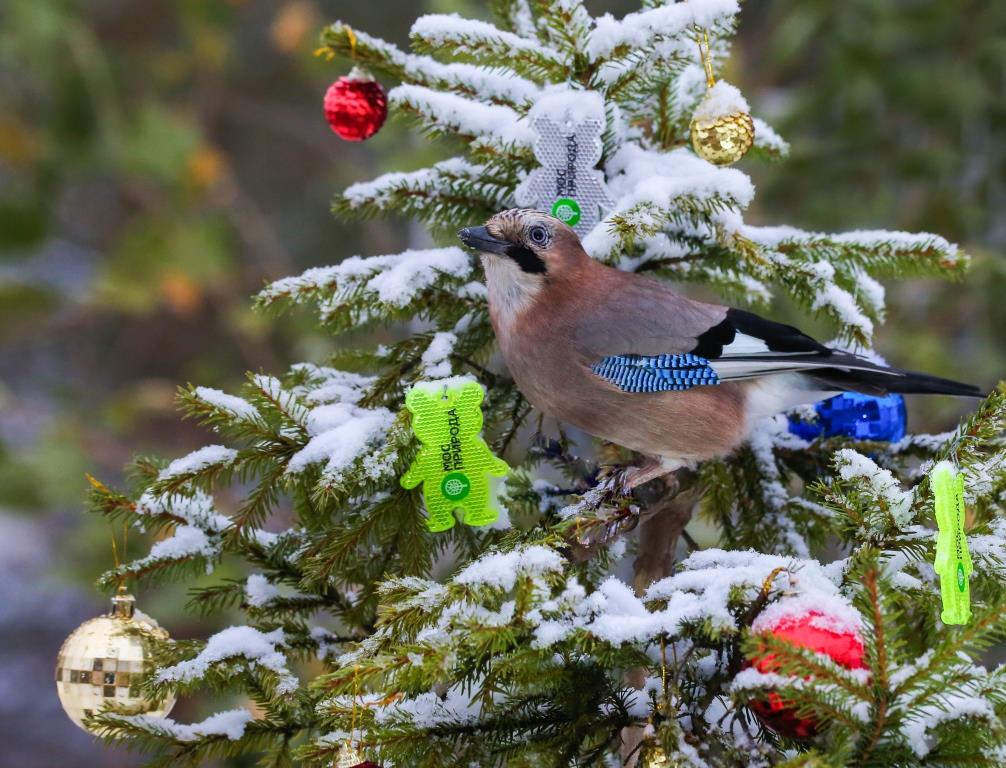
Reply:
x=673 y=210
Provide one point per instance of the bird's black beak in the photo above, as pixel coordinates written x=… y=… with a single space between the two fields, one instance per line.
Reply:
x=480 y=239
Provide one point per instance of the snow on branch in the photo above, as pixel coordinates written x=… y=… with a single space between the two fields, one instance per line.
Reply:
x=440 y=30
x=186 y=542
x=708 y=589
x=234 y=408
x=637 y=174
x=340 y=434
x=875 y=250
x=643 y=29
x=841 y=680
x=485 y=43
x=373 y=52
x=919 y=725
x=768 y=141
x=501 y=569
x=451 y=115
x=652 y=188
x=229 y=724
x=830 y=296
x=442 y=193
x=424 y=711
x=496 y=83
x=429 y=710
x=516 y=15
x=395 y=281
x=260 y=591
x=196 y=509
x=815 y=284
x=186 y=548
x=199 y=461
x=380 y=192
x=316 y=284
x=272 y=392
x=882 y=485
x=196 y=534
x=243 y=644
x=330 y=385
x=436 y=360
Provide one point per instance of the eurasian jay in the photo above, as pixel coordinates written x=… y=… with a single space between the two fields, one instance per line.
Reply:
x=625 y=358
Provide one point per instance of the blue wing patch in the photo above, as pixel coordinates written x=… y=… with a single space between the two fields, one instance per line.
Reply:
x=655 y=373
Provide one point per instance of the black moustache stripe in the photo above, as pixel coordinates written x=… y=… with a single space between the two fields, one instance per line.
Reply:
x=526 y=259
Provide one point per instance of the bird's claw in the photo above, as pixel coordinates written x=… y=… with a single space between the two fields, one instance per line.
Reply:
x=622 y=481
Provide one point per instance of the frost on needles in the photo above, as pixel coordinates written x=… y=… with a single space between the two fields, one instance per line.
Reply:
x=539 y=642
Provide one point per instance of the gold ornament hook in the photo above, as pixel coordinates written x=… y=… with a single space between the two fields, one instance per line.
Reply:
x=115 y=556
x=706 y=56
x=123 y=604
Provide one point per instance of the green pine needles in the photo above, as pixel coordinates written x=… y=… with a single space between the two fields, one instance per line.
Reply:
x=519 y=645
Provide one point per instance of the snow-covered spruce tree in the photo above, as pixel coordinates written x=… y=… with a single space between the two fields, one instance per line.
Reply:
x=519 y=644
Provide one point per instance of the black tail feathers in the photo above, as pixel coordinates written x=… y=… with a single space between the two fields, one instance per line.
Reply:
x=891 y=380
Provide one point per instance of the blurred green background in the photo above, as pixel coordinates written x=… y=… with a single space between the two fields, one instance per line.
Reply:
x=161 y=160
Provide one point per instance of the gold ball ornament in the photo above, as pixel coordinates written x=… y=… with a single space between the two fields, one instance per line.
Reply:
x=654 y=757
x=101 y=664
x=723 y=140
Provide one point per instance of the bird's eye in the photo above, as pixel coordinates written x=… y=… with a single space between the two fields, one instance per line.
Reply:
x=538 y=234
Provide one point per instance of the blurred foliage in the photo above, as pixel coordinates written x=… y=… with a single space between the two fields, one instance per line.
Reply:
x=160 y=160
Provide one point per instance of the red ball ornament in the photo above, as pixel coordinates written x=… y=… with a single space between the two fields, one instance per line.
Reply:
x=356 y=106
x=818 y=632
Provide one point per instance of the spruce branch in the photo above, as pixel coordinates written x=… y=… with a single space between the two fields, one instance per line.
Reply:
x=514 y=16
x=497 y=84
x=483 y=43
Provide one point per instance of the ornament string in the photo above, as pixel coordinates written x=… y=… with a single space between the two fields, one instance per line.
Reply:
x=702 y=39
x=351 y=37
x=115 y=554
x=356 y=693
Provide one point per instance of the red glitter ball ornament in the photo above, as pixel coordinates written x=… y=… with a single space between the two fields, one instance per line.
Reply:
x=356 y=106
x=815 y=631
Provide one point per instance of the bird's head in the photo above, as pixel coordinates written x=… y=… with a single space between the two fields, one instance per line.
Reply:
x=523 y=250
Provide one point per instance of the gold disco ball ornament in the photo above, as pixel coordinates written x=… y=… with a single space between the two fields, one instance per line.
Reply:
x=101 y=664
x=350 y=757
x=723 y=140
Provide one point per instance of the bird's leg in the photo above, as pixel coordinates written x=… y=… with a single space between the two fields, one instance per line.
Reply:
x=631 y=478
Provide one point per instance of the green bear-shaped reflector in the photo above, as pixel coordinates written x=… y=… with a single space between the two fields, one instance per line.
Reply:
x=454 y=462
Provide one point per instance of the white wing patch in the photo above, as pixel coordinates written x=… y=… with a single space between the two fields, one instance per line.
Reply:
x=745 y=345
